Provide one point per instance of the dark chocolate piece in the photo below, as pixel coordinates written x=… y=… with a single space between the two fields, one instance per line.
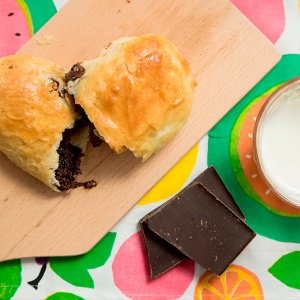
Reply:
x=211 y=180
x=77 y=71
x=161 y=254
x=200 y=226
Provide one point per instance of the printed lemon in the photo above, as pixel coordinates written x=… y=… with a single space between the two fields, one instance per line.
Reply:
x=174 y=180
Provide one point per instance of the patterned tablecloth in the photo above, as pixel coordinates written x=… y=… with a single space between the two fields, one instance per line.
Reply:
x=117 y=267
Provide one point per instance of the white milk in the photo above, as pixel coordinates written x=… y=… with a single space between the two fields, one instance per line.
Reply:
x=280 y=146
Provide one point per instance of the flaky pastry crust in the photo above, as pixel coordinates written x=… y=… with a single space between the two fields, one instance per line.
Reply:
x=138 y=93
x=33 y=114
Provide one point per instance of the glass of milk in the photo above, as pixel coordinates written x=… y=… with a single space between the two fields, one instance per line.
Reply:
x=276 y=141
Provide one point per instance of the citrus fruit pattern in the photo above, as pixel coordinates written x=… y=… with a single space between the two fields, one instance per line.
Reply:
x=230 y=151
x=235 y=283
x=130 y=266
x=174 y=180
x=243 y=164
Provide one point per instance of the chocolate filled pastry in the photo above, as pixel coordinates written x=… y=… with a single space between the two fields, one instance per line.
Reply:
x=138 y=93
x=39 y=128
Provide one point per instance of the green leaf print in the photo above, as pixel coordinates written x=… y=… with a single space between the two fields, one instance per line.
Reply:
x=74 y=269
x=287 y=269
x=10 y=278
x=63 y=296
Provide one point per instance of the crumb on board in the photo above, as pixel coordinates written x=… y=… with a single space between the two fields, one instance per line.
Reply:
x=45 y=39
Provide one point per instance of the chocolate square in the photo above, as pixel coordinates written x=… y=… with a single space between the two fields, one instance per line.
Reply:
x=211 y=180
x=201 y=227
x=161 y=254
x=164 y=252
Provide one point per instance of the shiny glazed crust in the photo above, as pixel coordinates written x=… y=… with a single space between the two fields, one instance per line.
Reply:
x=33 y=115
x=138 y=93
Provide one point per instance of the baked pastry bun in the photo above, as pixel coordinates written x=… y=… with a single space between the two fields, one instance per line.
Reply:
x=39 y=129
x=138 y=93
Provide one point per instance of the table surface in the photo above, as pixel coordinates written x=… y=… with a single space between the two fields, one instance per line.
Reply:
x=117 y=267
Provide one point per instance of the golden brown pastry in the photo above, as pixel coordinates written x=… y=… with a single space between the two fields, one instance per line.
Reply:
x=39 y=130
x=138 y=93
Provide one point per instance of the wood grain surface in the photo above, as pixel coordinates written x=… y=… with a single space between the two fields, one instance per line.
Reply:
x=228 y=56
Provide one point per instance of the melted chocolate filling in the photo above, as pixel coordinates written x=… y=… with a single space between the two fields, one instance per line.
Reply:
x=94 y=139
x=80 y=110
x=70 y=156
x=77 y=71
x=69 y=159
x=88 y=184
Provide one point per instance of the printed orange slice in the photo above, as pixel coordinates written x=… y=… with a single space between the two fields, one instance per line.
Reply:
x=236 y=283
x=245 y=150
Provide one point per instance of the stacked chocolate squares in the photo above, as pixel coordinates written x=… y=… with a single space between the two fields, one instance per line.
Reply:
x=202 y=222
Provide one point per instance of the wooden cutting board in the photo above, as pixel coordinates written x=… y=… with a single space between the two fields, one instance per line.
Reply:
x=228 y=56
